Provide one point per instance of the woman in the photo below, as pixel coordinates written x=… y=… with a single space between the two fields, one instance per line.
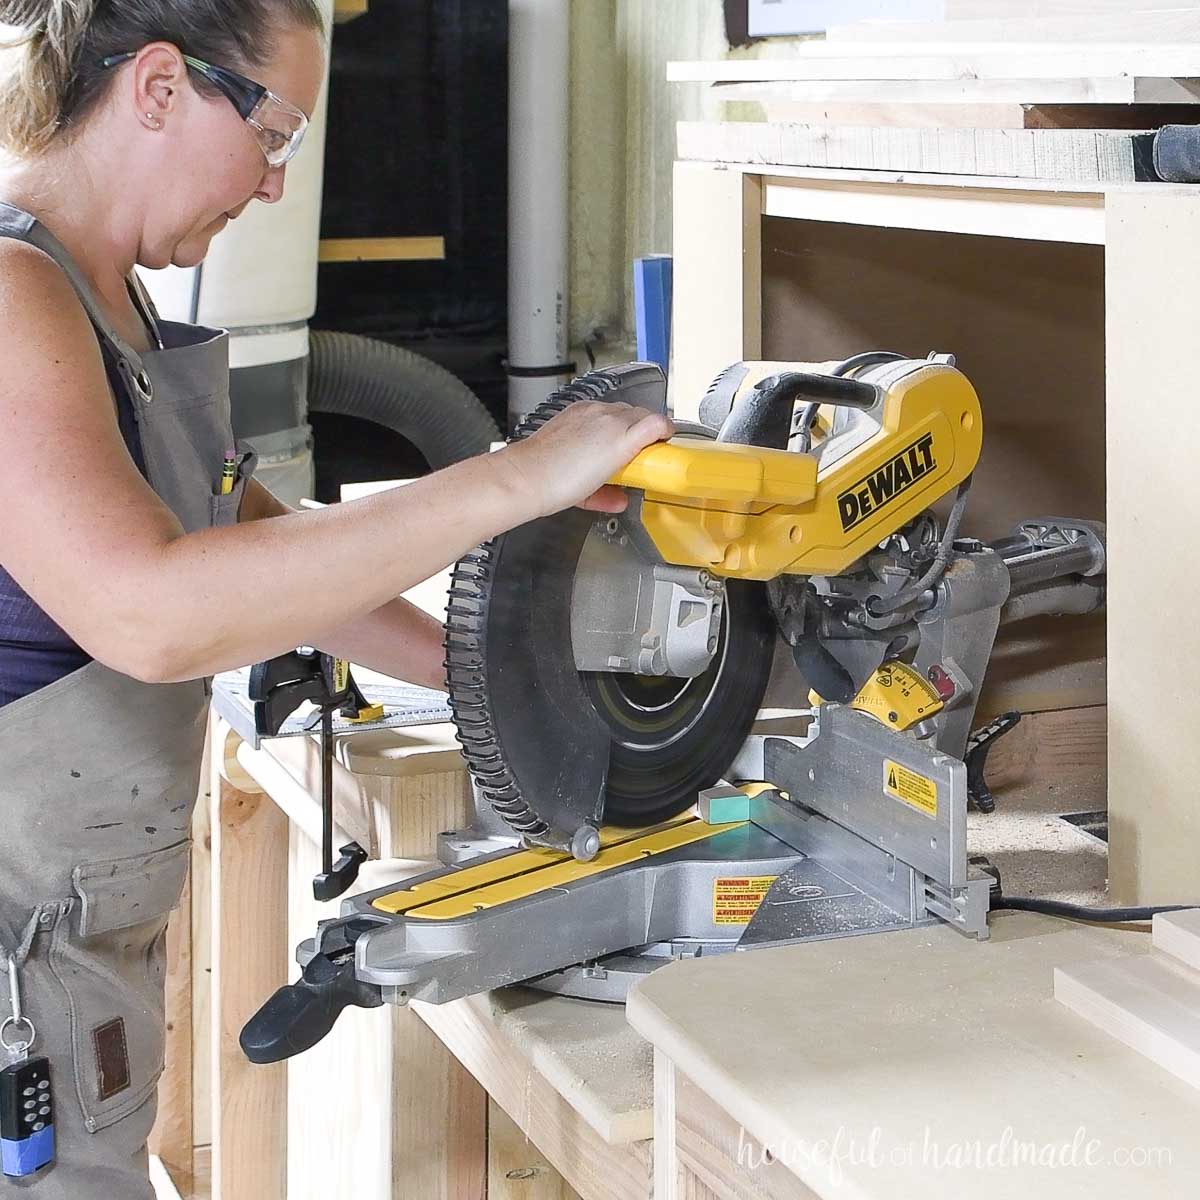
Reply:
x=135 y=131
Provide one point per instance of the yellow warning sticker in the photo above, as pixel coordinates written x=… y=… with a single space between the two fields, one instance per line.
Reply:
x=736 y=900
x=910 y=788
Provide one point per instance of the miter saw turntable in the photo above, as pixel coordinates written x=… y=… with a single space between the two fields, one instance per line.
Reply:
x=605 y=672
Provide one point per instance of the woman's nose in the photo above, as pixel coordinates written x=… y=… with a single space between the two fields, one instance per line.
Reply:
x=270 y=190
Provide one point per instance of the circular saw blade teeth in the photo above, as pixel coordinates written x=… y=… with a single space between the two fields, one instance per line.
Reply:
x=465 y=644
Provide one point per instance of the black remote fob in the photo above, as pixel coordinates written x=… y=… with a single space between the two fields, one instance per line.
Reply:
x=26 y=1118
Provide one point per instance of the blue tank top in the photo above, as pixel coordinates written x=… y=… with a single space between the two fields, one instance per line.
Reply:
x=34 y=650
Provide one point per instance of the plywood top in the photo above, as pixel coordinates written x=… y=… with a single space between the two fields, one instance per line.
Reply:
x=587 y=1052
x=925 y=1039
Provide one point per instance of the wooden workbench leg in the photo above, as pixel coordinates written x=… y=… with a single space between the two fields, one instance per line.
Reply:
x=379 y=1108
x=172 y=1140
x=1152 y=263
x=666 y=1161
x=717 y=308
x=249 y=961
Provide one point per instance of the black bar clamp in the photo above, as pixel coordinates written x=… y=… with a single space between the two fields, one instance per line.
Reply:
x=277 y=688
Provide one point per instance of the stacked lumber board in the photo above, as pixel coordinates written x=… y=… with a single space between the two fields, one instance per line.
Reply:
x=1073 y=98
x=1150 y=1002
x=1071 y=155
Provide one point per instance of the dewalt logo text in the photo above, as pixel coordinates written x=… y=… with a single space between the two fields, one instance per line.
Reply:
x=882 y=486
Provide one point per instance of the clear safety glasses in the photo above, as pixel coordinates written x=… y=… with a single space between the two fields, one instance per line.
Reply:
x=278 y=126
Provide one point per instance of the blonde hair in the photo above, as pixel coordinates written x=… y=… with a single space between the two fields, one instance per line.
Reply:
x=50 y=73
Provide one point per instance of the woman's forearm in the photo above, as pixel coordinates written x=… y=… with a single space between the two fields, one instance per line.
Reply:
x=397 y=639
x=313 y=573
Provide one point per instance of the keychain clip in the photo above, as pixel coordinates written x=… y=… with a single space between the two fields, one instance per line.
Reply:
x=17 y=1049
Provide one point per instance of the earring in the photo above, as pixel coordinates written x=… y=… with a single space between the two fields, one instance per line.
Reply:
x=155 y=122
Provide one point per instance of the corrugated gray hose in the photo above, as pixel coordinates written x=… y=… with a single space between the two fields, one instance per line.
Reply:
x=354 y=376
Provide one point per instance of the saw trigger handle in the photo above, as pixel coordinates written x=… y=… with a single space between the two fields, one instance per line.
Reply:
x=762 y=416
x=300 y=1014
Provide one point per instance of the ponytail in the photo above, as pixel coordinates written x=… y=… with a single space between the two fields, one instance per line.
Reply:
x=51 y=50
x=37 y=67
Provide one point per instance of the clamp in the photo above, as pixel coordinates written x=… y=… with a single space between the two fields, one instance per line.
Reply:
x=277 y=688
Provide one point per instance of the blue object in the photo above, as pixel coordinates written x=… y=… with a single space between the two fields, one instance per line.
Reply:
x=30 y=1154
x=653 y=278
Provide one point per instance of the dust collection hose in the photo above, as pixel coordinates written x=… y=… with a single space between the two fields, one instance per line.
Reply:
x=375 y=381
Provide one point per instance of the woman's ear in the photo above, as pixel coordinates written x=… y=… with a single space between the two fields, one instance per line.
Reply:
x=159 y=73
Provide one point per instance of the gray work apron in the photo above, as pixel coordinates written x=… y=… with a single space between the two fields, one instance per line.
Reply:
x=98 y=776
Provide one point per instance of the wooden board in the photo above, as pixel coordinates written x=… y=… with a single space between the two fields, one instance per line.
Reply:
x=589 y=1164
x=1153 y=257
x=1170 y=25
x=717 y=315
x=1150 y=1003
x=1029 y=209
x=717 y=1160
x=1108 y=156
x=172 y=1140
x=898 y=1030
x=1178 y=934
x=964 y=116
x=517 y=1169
x=1026 y=321
x=201 y=903
x=827 y=62
x=959 y=90
x=250 y=960
x=1055 y=750
x=407 y=1119
x=382 y=249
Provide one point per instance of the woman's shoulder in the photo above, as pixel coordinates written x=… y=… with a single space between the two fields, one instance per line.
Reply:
x=35 y=294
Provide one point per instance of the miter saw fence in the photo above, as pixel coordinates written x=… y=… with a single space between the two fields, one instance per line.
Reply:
x=605 y=672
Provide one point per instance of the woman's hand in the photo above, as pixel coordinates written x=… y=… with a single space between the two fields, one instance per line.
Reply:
x=570 y=459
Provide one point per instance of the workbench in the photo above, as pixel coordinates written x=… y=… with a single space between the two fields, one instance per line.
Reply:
x=916 y=1063
x=469 y=1099
x=495 y=1090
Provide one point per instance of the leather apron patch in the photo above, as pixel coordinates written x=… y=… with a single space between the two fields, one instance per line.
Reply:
x=112 y=1057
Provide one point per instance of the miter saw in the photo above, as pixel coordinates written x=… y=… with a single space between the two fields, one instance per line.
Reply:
x=605 y=673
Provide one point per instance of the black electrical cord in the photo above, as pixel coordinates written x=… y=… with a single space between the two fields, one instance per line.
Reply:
x=1081 y=912
x=881 y=606
x=869 y=358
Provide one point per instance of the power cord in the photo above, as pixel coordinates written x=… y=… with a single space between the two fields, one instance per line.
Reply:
x=1081 y=912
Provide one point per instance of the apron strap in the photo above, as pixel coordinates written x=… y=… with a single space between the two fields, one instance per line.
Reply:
x=146 y=306
x=18 y=224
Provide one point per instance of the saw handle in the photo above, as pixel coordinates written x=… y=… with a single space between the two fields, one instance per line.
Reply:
x=762 y=416
x=300 y=1014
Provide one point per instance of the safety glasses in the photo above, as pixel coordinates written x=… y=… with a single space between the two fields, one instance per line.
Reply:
x=277 y=125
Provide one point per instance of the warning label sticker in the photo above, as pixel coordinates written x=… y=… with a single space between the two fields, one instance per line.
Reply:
x=910 y=788
x=736 y=900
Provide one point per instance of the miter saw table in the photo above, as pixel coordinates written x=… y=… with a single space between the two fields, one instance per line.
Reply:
x=605 y=671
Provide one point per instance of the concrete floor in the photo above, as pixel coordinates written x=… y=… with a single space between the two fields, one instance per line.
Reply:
x=1038 y=853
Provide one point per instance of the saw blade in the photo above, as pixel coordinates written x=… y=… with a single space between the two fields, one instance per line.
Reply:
x=552 y=748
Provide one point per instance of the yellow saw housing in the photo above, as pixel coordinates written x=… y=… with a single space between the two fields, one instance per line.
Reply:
x=745 y=512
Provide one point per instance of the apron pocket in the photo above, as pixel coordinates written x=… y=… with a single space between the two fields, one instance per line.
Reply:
x=224 y=510
x=112 y=966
